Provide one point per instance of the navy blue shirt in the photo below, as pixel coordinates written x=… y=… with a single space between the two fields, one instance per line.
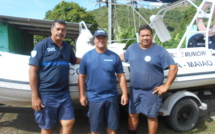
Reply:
x=147 y=65
x=100 y=69
x=53 y=63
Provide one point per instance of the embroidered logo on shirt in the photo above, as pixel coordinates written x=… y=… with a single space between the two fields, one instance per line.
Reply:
x=147 y=58
x=33 y=53
x=108 y=60
x=50 y=49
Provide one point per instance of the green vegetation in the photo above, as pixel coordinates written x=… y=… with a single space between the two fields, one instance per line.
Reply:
x=126 y=22
x=70 y=12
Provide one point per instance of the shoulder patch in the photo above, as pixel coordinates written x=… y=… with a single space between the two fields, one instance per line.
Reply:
x=33 y=53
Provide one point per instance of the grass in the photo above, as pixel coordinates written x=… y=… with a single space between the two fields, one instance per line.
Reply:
x=20 y=120
x=203 y=127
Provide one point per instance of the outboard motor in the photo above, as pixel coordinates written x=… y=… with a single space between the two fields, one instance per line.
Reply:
x=198 y=40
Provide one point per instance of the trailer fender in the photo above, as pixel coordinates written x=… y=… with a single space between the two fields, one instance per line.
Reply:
x=169 y=103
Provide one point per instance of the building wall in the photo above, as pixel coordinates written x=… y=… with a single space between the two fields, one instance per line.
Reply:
x=15 y=40
x=4 y=37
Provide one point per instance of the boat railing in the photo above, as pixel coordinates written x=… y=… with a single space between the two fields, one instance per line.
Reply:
x=200 y=14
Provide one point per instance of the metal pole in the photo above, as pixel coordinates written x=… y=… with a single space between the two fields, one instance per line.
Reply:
x=110 y=21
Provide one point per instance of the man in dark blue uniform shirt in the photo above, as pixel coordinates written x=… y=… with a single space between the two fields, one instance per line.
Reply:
x=49 y=78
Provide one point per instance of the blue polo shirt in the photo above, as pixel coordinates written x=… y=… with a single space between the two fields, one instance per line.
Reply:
x=53 y=63
x=100 y=69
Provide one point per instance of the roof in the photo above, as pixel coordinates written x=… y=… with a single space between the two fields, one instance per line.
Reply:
x=40 y=27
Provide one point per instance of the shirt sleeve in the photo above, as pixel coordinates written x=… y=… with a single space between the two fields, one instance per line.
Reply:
x=166 y=59
x=36 y=55
x=126 y=54
x=72 y=56
x=119 y=67
x=83 y=67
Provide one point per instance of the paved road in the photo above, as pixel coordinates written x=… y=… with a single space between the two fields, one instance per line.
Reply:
x=20 y=120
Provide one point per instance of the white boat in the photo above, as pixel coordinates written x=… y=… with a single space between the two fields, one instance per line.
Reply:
x=196 y=68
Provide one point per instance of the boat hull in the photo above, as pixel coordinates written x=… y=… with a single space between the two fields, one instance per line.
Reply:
x=195 y=70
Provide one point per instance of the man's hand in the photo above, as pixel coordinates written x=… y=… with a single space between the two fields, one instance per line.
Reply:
x=160 y=90
x=124 y=99
x=83 y=100
x=37 y=104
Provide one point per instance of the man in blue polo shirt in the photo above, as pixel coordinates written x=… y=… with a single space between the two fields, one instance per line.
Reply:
x=147 y=64
x=49 y=79
x=99 y=67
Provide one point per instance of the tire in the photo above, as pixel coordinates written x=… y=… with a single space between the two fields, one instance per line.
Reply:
x=184 y=115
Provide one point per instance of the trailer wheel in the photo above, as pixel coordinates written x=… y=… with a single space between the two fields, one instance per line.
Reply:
x=184 y=115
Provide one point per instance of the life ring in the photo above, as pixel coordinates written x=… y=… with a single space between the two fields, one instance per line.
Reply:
x=200 y=23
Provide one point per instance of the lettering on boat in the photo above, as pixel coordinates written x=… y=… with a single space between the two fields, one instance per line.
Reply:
x=192 y=54
x=174 y=55
x=200 y=63
x=73 y=71
x=191 y=64
x=188 y=54
x=178 y=65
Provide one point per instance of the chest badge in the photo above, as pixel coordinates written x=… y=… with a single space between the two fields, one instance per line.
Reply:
x=147 y=58
x=51 y=49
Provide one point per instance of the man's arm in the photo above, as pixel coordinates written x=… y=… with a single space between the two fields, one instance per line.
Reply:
x=33 y=80
x=123 y=86
x=173 y=69
x=81 y=87
x=122 y=57
x=78 y=60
